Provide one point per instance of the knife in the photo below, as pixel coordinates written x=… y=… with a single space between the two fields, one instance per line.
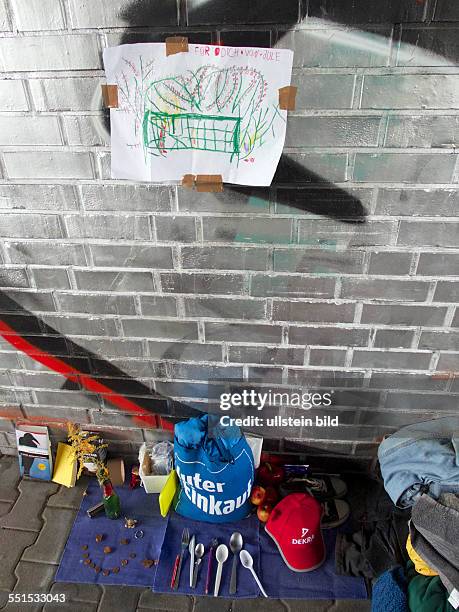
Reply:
x=191 y=550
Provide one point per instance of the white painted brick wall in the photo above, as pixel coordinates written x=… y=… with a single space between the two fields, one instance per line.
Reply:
x=38 y=197
x=108 y=14
x=38 y=15
x=176 y=288
x=23 y=130
x=66 y=93
x=5 y=24
x=87 y=131
x=48 y=165
x=57 y=52
x=413 y=91
x=12 y=96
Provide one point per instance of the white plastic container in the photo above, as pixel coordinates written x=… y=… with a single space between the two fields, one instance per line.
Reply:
x=151 y=483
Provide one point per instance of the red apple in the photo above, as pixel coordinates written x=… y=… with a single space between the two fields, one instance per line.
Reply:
x=270 y=458
x=270 y=474
x=271 y=496
x=257 y=495
x=263 y=512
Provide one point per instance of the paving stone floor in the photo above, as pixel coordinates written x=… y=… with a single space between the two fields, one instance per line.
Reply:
x=35 y=519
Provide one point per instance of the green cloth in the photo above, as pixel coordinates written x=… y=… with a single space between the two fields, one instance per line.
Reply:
x=426 y=593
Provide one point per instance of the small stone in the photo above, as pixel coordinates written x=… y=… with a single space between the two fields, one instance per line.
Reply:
x=115 y=570
x=92 y=564
x=124 y=541
x=106 y=572
x=85 y=547
x=133 y=555
x=124 y=561
x=147 y=563
x=107 y=550
x=85 y=555
x=87 y=561
x=99 y=537
x=97 y=569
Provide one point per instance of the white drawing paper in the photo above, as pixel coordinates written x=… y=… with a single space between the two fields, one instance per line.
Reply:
x=211 y=110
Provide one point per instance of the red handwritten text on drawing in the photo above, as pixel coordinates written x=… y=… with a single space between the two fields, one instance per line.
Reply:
x=264 y=55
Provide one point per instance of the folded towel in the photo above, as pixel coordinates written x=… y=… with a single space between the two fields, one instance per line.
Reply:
x=390 y=592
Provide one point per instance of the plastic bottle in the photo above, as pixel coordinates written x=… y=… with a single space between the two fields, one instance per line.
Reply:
x=111 y=501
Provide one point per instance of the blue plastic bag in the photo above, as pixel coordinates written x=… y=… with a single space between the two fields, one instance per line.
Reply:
x=215 y=468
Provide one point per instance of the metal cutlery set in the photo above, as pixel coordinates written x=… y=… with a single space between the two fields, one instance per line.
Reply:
x=221 y=552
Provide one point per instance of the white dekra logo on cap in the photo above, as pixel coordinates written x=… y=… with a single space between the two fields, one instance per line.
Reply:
x=304 y=539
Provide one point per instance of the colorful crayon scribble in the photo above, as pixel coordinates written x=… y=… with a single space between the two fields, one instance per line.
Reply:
x=210 y=109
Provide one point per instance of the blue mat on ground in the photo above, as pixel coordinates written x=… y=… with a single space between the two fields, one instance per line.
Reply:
x=205 y=532
x=161 y=542
x=134 y=504
x=322 y=583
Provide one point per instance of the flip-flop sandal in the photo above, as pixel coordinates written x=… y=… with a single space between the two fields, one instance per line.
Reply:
x=322 y=487
x=336 y=512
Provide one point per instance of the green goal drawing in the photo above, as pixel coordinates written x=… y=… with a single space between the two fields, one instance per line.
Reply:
x=181 y=131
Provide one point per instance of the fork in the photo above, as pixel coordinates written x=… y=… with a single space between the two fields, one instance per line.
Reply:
x=179 y=559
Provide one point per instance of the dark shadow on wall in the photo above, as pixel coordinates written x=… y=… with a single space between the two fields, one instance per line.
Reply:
x=286 y=12
x=363 y=15
x=310 y=192
x=205 y=18
x=51 y=348
x=329 y=200
x=214 y=12
x=365 y=412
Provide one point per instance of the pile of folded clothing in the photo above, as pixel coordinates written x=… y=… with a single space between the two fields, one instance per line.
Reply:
x=407 y=548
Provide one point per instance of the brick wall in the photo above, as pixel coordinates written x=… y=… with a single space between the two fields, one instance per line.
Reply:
x=343 y=274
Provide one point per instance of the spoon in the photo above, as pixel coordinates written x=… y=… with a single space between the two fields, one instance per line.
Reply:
x=213 y=545
x=198 y=553
x=247 y=562
x=221 y=556
x=236 y=543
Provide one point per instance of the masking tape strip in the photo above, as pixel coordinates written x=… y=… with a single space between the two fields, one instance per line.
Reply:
x=110 y=96
x=188 y=181
x=445 y=375
x=176 y=44
x=210 y=183
x=287 y=97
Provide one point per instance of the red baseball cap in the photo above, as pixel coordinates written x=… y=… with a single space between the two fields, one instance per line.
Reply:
x=294 y=525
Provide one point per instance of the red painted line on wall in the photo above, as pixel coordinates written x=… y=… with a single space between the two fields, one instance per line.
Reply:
x=86 y=381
